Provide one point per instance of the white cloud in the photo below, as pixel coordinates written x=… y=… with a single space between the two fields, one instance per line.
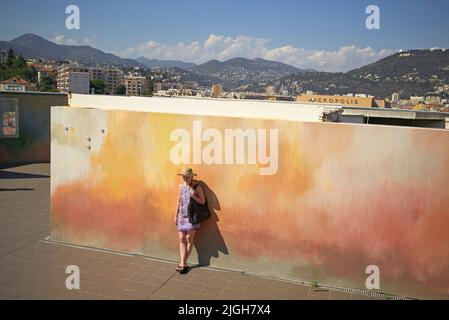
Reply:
x=222 y=48
x=88 y=41
x=92 y=41
x=61 y=39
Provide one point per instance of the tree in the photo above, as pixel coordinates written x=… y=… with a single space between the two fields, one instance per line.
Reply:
x=148 y=89
x=16 y=67
x=46 y=84
x=20 y=62
x=120 y=90
x=98 y=86
x=10 y=57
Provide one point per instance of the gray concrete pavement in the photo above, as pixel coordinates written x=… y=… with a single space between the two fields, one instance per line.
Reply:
x=33 y=268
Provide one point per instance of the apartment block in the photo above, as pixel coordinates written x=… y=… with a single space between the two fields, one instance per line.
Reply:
x=114 y=78
x=97 y=74
x=135 y=85
x=73 y=78
x=217 y=91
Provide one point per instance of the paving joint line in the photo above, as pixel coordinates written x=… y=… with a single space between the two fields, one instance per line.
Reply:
x=162 y=285
x=17 y=249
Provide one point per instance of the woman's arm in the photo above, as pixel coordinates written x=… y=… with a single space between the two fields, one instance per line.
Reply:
x=198 y=196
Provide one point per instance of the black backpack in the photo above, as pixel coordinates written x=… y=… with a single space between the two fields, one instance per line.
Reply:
x=197 y=212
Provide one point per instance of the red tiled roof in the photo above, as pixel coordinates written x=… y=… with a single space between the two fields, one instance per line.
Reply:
x=15 y=80
x=41 y=67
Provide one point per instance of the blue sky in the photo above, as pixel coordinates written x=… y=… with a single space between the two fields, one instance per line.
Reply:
x=330 y=34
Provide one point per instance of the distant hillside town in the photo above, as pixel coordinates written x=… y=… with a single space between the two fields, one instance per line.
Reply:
x=415 y=79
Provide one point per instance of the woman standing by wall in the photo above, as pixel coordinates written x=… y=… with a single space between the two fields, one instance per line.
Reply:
x=189 y=190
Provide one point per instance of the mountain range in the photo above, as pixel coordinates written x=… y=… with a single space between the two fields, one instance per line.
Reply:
x=239 y=73
x=413 y=72
x=34 y=46
x=232 y=73
x=165 y=64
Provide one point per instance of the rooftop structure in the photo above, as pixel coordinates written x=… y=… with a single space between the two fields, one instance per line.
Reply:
x=208 y=106
x=17 y=84
x=343 y=188
x=360 y=101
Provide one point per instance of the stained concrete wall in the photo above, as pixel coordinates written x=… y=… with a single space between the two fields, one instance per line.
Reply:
x=33 y=141
x=344 y=196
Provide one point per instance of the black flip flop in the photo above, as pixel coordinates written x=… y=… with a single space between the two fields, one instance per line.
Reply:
x=184 y=270
x=178 y=268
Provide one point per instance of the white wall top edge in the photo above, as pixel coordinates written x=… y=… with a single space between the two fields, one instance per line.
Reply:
x=240 y=108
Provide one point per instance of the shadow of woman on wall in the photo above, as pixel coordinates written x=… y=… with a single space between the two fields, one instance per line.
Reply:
x=209 y=241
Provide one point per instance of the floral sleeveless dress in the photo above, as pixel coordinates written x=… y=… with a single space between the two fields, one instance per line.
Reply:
x=183 y=216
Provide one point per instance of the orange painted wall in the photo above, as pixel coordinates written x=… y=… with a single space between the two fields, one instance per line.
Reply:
x=344 y=197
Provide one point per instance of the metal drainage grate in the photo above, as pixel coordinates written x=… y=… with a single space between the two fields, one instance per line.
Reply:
x=330 y=287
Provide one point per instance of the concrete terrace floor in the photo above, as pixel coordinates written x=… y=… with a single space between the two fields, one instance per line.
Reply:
x=32 y=268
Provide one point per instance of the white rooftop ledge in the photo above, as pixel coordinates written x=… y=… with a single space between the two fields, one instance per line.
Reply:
x=238 y=108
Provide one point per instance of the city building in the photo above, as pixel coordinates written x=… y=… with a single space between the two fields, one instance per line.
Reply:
x=395 y=97
x=360 y=95
x=345 y=101
x=433 y=99
x=380 y=103
x=114 y=78
x=78 y=82
x=42 y=71
x=416 y=99
x=135 y=85
x=157 y=86
x=269 y=91
x=419 y=115
x=16 y=84
x=161 y=93
x=217 y=91
x=73 y=78
x=97 y=74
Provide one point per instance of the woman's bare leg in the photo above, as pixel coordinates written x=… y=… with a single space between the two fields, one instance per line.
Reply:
x=183 y=247
x=190 y=237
